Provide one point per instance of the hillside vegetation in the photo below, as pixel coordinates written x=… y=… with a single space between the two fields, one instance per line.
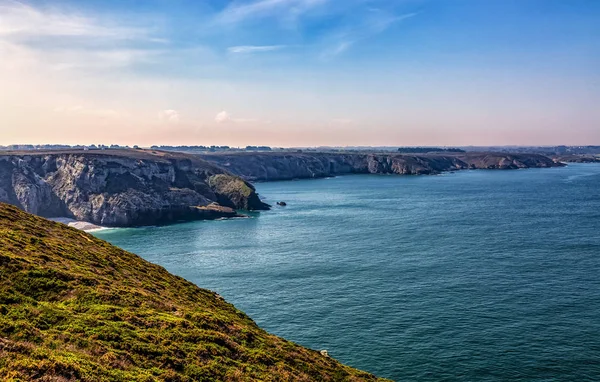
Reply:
x=75 y=308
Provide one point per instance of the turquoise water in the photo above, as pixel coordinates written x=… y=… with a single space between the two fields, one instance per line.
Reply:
x=474 y=275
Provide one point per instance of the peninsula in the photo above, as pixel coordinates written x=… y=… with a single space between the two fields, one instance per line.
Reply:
x=122 y=187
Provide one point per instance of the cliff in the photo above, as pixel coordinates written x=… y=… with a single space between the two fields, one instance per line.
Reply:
x=143 y=187
x=285 y=166
x=75 y=308
x=122 y=187
x=577 y=158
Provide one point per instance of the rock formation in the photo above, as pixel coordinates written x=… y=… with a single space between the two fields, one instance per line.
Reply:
x=142 y=187
x=122 y=187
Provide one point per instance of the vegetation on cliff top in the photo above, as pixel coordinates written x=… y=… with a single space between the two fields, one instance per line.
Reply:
x=232 y=191
x=73 y=307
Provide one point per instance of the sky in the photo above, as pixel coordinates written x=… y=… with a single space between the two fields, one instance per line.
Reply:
x=291 y=73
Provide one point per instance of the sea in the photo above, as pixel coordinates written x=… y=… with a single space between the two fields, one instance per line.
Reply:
x=479 y=275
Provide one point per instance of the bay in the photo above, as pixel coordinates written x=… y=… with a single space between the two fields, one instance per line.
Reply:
x=473 y=275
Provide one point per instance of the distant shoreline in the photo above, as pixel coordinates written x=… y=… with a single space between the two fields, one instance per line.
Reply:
x=274 y=166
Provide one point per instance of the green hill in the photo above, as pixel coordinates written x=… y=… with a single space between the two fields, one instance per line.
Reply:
x=73 y=307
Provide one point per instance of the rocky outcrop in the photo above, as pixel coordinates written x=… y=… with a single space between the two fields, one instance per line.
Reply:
x=122 y=187
x=286 y=166
x=234 y=192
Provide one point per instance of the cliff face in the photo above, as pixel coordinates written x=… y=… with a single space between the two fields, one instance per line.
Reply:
x=75 y=308
x=285 y=166
x=574 y=158
x=141 y=187
x=121 y=187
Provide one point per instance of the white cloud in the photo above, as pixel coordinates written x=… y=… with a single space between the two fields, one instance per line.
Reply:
x=170 y=115
x=225 y=117
x=254 y=48
x=222 y=117
x=264 y=8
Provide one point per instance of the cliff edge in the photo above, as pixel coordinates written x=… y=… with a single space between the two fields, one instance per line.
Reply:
x=75 y=308
x=122 y=187
x=286 y=166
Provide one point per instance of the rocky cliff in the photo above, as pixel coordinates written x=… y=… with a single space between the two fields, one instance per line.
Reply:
x=285 y=166
x=122 y=187
x=75 y=308
x=577 y=158
x=142 y=187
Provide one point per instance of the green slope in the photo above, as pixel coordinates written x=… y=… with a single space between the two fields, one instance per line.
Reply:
x=73 y=307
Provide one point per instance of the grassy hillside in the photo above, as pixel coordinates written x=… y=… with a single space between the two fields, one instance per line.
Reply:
x=73 y=307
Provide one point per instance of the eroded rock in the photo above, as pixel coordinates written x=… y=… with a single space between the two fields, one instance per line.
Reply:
x=123 y=187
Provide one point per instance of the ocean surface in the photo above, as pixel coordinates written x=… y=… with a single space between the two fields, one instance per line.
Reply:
x=467 y=276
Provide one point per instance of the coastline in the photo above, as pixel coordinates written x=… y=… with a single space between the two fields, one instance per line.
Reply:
x=80 y=225
x=274 y=166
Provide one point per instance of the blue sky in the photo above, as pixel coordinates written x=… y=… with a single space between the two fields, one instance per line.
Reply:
x=301 y=72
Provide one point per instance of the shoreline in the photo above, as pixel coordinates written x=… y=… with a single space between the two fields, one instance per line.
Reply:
x=80 y=225
x=91 y=228
x=266 y=167
x=441 y=173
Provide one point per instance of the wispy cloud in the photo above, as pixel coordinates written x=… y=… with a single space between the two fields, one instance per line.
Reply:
x=267 y=8
x=66 y=59
x=374 y=23
x=18 y=20
x=336 y=49
x=248 y=49
x=61 y=40
x=380 y=21
x=225 y=117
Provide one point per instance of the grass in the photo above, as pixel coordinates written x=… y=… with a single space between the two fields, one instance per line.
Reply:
x=228 y=184
x=75 y=308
